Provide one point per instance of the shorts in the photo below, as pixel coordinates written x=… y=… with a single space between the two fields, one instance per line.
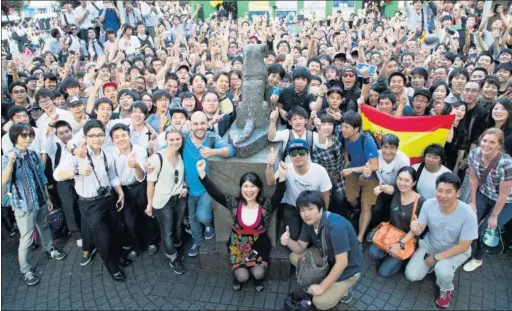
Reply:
x=355 y=188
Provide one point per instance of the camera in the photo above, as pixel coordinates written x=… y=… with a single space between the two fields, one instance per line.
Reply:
x=104 y=191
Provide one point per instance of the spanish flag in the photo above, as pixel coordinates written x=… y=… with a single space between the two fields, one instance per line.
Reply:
x=415 y=133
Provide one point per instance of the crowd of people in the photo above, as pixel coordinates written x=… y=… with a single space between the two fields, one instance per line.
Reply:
x=114 y=123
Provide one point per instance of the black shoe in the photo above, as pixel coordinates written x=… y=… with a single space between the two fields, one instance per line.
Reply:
x=177 y=266
x=55 y=254
x=132 y=255
x=87 y=257
x=258 y=285
x=124 y=262
x=152 y=249
x=237 y=286
x=119 y=276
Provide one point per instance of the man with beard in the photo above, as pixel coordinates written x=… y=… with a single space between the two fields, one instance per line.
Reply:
x=201 y=144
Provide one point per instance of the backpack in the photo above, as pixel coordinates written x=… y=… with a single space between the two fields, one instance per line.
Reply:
x=309 y=140
x=363 y=139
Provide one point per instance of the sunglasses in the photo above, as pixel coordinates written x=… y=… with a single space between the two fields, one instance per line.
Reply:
x=300 y=153
x=349 y=75
x=25 y=135
x=176 y=175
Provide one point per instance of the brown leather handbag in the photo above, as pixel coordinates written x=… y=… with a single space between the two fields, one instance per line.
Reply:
x=386 y=235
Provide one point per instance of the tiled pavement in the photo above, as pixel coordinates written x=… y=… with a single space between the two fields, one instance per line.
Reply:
x=152 y=285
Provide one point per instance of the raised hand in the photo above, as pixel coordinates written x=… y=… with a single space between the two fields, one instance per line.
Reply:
x=283 y=169
x=131 y=160
x=201 y=167
x=415 y=225
x=274 y=115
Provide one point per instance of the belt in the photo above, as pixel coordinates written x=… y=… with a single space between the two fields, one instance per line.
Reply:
x=93 y=198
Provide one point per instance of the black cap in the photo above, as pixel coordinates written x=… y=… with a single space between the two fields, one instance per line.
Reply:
x=341 y=56
x=335 y=89
x=422 y=92
x=74 y=100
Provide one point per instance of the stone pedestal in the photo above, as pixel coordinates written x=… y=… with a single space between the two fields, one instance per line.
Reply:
x=226 y=173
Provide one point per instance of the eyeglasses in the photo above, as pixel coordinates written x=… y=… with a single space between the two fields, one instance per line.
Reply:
x=471 y=90
x=300 y=153
x=92 y=136
x=176 y=175
x=45 y=101
x=349 y=75
x=74 y=29
x=420 y=101
x=25 y=135
x=19 y=91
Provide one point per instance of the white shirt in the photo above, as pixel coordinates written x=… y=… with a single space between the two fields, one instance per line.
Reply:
x=131 y=48
x=79 y=136
x=70 y=17
x=126 y=174
x=165 y=187
x=249 y=215
x=38 y=144
x=141 y=138
x=316 y=178
x=284 y=136
x=80 y=12
x=64 y=115
x=87 y=186
x=387 y=172
x=51 y=149
x=426 y=185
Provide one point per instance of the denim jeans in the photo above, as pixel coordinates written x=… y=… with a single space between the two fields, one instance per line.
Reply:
x=170 y=218
x=386 y=265
x=199 y=212
x=27 y=222
x=484 y=207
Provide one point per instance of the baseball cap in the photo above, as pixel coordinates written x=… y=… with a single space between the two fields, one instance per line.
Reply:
x=107 y=84
x=74 y=100
x=335 y=89
x=423 y=92
x=341 y=56
x=492 y=243
x=297 y=144
x=183 y=66
x=349 y=69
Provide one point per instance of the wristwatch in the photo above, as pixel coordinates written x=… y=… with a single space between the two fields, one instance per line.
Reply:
x=402 y=245
x=76 y=172
x=366 y=80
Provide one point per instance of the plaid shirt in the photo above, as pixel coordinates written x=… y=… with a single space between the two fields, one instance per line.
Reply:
x=332 y=160
x=501 y=173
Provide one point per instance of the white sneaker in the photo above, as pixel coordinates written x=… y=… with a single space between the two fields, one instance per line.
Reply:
x=79 y=243
x=472 y=265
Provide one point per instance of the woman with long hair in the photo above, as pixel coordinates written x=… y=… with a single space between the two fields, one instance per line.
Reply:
x=492 y=198
x=402 y=205
x=457 y=141
x=198 y=83
x=249 y=244
x=501 y=118
x=439 y=91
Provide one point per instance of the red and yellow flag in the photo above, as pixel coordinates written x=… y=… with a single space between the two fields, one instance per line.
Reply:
x=415 y=133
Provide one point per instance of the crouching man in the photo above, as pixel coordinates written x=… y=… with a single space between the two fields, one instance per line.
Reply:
x=447 y=245
x=344 y=255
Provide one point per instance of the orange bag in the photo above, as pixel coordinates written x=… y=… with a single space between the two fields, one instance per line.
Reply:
x=386 y=235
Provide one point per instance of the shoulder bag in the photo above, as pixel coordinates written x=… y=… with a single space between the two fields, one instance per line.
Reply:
x=313 y=266
x=387 y=235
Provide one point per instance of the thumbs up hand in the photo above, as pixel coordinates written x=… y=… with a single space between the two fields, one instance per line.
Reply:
x=271 y=159
x=283 y=170
x=131 y=160
x=415 y=225
x=285 y=238
x=366 y=171
x=201 y=168
x=274 y=115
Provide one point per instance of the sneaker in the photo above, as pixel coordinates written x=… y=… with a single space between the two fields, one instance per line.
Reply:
x=87 y=257
x=237 y=286
x=152 y=249
x=472 y=265
x=79 y=243
x=209 y=232
x=443 y=301
x=176 y=245
x=119 y=276
x=133 y=255
x=177 y=266
x=193 y=251
x=127 y=248
x=348 y=296
x=30 y=279
x=55 y=254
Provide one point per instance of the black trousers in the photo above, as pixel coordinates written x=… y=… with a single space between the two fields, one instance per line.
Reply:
x=69 y=202
x=291 y=218
x=135 y=202
x=100 y=224
x=170 y=218
x=381 y=210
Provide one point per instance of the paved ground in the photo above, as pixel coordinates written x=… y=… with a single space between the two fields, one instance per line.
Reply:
x=151 y=285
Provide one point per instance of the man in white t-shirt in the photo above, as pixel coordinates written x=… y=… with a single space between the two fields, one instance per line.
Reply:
x=45 y=97
x=129 y=43
x=391 y=160
x=303 y=175
x=429 y=170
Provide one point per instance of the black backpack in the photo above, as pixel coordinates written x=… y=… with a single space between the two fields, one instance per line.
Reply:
x=363 y=139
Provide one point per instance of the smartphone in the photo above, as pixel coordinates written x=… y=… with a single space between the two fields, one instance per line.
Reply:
x=252 y=256
x=350 y=24
x=450 y=31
